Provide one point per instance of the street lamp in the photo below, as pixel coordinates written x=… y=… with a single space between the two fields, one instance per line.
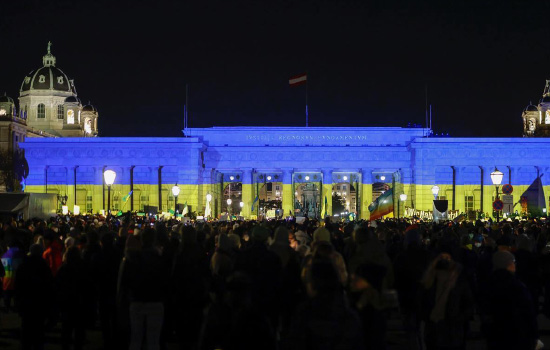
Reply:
x=176 y=192
x=109 y=176
x=403 y=198
x=435 y=191
x=496 y=178
x=229 y=201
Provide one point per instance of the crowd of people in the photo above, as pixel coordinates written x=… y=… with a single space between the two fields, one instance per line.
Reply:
x=275 y=284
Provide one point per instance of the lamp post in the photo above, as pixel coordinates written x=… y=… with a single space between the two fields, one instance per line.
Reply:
x=403 y=198
x=496 y=178
x=229 y=201
x=176 y=192
x=109 y=177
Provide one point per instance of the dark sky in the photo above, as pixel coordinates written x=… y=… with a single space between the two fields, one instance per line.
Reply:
x=368 y=62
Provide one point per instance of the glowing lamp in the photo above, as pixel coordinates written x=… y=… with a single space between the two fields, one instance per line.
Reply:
x=229 y=201
x=231 y=178
x=176 y=190
x=496 y=177
x=345 y=178
x=268 y=178
x=435 y=190
x=208 y=197
x=109 y=177
x=307 y=178
x=241 y=204
x=403 y=197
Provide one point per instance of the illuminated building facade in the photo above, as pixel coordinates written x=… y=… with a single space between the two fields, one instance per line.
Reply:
x=208 y=160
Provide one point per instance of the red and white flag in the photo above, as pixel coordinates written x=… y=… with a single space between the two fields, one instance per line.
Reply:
x=298 y=80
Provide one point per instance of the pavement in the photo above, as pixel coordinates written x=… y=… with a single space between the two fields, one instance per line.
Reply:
x=396 y=337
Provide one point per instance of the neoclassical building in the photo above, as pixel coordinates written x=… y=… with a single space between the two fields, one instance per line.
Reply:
x=300 y=167
x=312 y=160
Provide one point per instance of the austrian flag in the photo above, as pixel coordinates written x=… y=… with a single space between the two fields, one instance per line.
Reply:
x=298 y=80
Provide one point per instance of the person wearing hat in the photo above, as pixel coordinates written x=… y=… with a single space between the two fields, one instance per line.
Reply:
x=512 y=322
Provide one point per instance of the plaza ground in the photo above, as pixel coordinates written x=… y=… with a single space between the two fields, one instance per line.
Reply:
x=397 y=340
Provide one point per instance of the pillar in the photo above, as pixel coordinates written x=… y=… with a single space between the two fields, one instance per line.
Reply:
x=459 y=203
x=247 y=193
x=366 y=193
x=288 y=193
x=327 y=193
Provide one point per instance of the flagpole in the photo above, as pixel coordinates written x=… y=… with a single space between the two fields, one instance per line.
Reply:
x=307 y=117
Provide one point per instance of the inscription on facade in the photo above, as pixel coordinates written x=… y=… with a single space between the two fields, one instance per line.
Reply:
x=306 y=137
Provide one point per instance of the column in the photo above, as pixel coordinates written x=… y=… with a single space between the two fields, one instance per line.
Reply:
x=247 y=193
x=365 y=198
x=459 y=203
x=288 y=193
x=327 y=193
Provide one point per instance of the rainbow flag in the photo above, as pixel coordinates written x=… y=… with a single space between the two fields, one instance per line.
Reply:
x=383 y=205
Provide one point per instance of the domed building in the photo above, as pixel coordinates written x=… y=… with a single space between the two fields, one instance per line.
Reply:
x=536 y=119
x=48 y=101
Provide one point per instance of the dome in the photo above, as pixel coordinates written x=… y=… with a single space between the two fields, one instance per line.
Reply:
x=6 y=99
x=531 y=108
x=89 y=108
x=72 y=99
x=47 y=78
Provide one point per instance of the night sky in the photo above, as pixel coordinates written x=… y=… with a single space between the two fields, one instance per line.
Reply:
x=368 y=62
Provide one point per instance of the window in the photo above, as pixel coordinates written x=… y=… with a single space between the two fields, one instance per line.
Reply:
x=88 y=207
x=269 y=186
x=60 y=80
x=338 y=188
x=42 y=79
x=469 y=203
x=277 y=188
x=60 y=112
x=88 y=198
x=41 y=111
x=344 y=187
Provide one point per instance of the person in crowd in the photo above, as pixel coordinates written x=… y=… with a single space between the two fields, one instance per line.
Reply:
x=324 y=321
x=53 y=253
x=446 y=303
x=367 y=281
x=11 y=260
x=513 y=317
x=145 y=280
x=409 y=268
x=190 y=277
x=75 y=299
x=33 y=275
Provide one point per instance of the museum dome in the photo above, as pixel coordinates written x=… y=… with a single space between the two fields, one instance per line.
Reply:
x=47 y=77
x=6 y=99
x=531 y=108
x=72 y=99
x=89 y=108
